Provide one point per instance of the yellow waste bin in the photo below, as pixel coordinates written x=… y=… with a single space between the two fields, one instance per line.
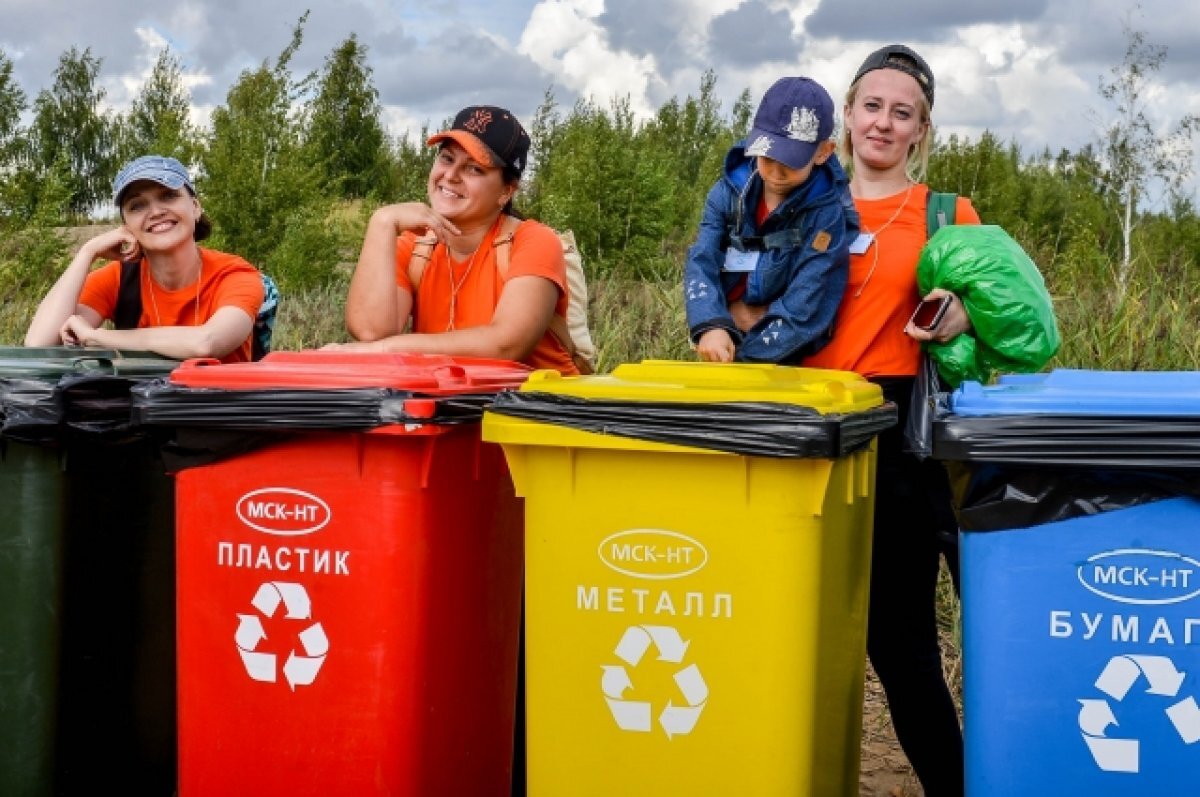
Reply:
x=697 y=562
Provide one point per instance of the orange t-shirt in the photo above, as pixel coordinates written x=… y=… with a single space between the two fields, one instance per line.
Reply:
x=471 y=299
x=225 y=280
x=882 y=291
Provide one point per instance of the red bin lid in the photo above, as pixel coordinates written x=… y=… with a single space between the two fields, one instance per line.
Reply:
x=320 y=369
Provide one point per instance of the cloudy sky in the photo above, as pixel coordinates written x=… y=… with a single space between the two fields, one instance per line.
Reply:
x=1027 y=70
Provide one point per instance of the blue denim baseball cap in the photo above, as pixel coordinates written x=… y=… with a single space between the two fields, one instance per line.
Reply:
x=795 y=115
x=156 y=168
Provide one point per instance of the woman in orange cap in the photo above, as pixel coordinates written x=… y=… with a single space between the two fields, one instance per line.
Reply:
x=442 y=292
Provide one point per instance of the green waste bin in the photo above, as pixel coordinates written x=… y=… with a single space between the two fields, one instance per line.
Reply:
x=87 y=625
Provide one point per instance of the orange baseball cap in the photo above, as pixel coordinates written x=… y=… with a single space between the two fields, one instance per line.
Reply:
x=491 y=135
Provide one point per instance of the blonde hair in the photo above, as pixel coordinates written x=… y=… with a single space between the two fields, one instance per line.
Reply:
x=917 y=164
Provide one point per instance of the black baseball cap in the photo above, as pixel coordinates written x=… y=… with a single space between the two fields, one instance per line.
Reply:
x=902 y=59
x=491 y=135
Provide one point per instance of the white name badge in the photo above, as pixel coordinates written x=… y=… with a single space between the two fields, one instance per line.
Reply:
x=862 y=243
x=737 y=260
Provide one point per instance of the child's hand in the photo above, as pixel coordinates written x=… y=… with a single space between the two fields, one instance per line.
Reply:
x=715 y=346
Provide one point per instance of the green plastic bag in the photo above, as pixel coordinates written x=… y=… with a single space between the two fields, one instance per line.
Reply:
x=1012 y=316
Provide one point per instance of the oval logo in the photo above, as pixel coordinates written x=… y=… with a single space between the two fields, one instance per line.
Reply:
x=1138 y=575
x=652 y=553
x=283 y=511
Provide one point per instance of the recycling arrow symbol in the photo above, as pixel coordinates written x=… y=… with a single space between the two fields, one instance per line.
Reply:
x=1118 y=678
x=303 y=661
x=638 y=715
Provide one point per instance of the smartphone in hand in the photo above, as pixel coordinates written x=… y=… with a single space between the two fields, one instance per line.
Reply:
x=929 y=312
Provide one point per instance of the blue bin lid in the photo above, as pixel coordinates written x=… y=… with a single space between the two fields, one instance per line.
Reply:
x=1080 y=392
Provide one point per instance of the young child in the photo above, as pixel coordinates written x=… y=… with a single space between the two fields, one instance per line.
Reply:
x=774 y=236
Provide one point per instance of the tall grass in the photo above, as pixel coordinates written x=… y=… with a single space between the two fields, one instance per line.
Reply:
x=1152 y=327
x=15 y=315
x=635 y=321
x=311 y=319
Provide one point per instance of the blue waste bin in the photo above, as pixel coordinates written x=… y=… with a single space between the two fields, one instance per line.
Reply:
x=1078 y=494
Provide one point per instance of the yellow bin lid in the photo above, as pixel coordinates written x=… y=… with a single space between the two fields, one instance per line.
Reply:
x=823 y=390
x=805 y=399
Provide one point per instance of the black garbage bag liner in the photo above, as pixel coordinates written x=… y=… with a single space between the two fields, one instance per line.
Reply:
x=1080 y=441
x=160 y=403
x=997 y=498
x=750 y=428
x=1016 y=471
x=30 y=409
x=95 y=405
x=199 y=426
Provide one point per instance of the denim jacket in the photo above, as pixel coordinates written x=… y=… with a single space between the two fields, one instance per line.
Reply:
x=800 y=284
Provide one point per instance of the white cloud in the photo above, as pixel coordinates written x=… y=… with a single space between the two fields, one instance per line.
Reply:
x=1027 y=71
x=563 y=38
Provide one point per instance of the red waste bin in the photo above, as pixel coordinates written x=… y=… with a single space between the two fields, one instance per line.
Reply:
x=349 y=600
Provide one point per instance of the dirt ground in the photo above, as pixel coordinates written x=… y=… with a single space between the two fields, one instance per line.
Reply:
x=884 y=771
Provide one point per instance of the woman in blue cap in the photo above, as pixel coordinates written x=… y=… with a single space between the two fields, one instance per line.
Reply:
x=185 y=300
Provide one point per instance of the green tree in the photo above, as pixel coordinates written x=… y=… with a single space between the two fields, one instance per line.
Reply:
x=15 y=203
x=411 y=160
x=543 y=129
x=1134 y=154
x=596 y=176
x=159 y=121
x=12 y=105
x=345 y=139
x=70 y=124
x=31 y=250
x=29 y=207
x=254 y=178
x=693 y=138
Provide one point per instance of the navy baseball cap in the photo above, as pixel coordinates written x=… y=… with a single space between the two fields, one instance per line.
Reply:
x=902 y=59
x=795 y=115
x=156 y=168
x=491 y=135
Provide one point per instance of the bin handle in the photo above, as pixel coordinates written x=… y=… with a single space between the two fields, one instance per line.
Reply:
x=198 y=362
x=454 y=374
x=423 y=408
x=93 y=362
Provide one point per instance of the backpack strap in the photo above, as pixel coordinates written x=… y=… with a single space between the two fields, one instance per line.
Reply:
x=264 y=321
x=740 y=177
x=503 y=246
x=419 y=259
x=503 y=241
x=791 y=238
x=939 y=211
x=128 y=311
